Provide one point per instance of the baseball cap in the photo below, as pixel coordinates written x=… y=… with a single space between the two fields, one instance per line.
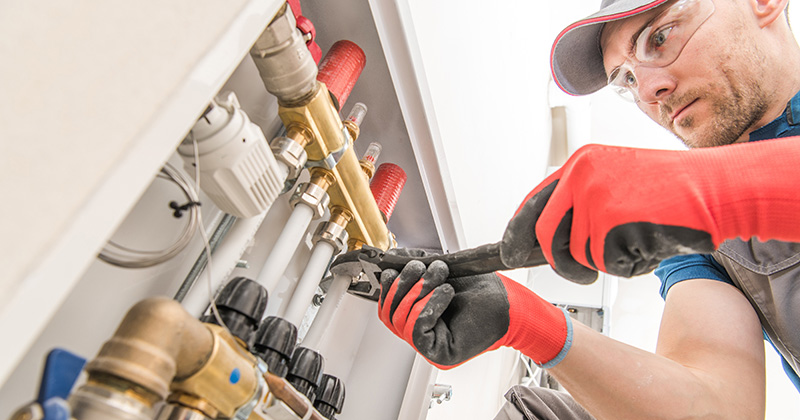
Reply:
x=576 y=60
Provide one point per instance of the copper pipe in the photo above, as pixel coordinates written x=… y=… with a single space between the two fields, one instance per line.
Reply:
x=284 y=391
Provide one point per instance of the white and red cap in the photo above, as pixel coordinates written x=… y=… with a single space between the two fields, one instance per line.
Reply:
x=576 y=59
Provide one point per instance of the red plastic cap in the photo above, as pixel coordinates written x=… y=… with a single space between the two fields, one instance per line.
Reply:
x=340 y=69
x=386 y=186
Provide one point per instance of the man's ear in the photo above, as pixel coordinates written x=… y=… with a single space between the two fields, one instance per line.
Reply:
x=767 y=11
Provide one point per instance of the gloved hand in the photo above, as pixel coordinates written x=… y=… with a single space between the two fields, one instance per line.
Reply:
x=623 y=210
x=451 y=320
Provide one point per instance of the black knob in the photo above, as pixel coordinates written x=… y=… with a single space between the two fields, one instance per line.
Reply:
x=274 y=344
x=330 y=396
x=305 y=371
x=241 y=304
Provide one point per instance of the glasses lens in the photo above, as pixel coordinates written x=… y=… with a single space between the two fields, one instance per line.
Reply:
x=623 y=81
x=661 y=42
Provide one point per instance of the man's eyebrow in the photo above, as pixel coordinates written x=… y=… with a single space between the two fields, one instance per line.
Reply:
x=635 y=36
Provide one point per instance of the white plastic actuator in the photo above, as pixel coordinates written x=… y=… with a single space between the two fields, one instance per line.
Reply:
x=237 y=168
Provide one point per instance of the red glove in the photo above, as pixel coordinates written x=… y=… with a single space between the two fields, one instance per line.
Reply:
x=623 y=210
x=451 y=320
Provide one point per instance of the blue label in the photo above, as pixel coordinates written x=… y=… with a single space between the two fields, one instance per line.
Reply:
x=235 y=376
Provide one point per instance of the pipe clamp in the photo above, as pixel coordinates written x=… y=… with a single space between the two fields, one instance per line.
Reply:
x=333 y=158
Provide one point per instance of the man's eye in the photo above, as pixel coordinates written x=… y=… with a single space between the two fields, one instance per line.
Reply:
x=660 y=37
x=629 y=79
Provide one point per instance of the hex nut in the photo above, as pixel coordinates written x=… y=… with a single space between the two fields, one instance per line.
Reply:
x=291 y=153
x=313 y=196
x=332 y=233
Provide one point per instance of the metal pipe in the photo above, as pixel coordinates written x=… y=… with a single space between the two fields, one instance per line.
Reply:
x=225 y=258
x=284 y=391
x=333 y=298
x=307 y=286
x=202 y=260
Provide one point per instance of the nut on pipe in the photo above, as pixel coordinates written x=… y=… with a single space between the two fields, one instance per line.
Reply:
x=155 y=342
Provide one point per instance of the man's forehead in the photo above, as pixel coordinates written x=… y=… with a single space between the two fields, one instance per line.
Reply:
x=626 y=27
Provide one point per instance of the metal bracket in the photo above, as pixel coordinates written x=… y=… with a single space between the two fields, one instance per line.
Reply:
x=333 y=158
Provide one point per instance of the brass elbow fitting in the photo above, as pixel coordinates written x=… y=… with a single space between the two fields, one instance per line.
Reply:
x=160 y=348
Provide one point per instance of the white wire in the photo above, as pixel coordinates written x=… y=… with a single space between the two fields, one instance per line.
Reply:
x=206 y=242
x=122 y=256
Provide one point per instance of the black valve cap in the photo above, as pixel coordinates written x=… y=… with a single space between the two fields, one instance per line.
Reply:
x=330 y=396
x=241 y=304
x=305 y=371
x=274 y=343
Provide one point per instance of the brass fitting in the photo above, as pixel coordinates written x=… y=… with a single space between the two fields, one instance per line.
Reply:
x=314 y=193
x=368 y=168
x=352 y=128
x=333 y=230
x=159 y=347
x=155 y=342
x=331 y=149
x=226 y=382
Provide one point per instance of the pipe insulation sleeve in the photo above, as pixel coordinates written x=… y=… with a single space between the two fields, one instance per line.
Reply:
x=223 y=263
x=340 y=69
x=307 y=286
x=285 y=246
x=386 y=186
x=327 y=310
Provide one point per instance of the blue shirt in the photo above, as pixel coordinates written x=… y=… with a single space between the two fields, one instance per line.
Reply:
x=702 y=266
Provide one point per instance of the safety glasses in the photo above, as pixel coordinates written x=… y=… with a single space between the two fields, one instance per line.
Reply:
x=660 y=42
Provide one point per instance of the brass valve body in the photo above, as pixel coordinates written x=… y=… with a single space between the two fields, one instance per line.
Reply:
x=227 y=381
x=330 y=138
x=160 y=348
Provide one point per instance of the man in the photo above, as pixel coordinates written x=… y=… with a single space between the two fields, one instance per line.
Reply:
x=714 y=72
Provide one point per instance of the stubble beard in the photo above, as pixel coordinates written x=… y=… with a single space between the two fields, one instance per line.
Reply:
x=736 y=107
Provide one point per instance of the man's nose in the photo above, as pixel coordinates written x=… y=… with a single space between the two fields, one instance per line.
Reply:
x=655 y=83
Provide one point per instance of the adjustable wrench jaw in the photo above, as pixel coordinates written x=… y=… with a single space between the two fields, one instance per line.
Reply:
x=362 y=270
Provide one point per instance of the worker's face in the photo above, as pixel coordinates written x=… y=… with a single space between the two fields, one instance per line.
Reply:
x=710 y=94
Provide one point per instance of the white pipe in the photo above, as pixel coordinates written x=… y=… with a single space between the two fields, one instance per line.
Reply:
x=326 y=312
x=222 y=264
x=307 y=286
x=283 y=170
x=284 y=248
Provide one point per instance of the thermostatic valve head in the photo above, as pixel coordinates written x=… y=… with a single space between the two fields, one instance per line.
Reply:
x=237 y=169
x=332 y=233
x=313 y=196
x=291 y=153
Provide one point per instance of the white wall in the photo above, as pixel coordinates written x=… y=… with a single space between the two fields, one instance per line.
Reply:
x=487 y=70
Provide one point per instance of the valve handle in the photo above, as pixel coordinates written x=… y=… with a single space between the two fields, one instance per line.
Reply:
x=61 y=370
